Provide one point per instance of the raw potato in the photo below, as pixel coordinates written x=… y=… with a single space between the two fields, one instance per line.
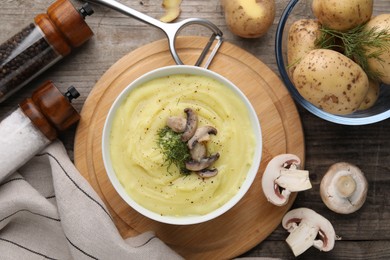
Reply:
x=172 y=10
x=342 y=15
x=301 y=40
x=372 y=95
x=249 y=18
x=331 y=81
x=381 y=65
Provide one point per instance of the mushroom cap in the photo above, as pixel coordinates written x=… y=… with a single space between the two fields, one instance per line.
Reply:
x=198 y=151
x=207 y=173
x=191 y=124
x=326 y=232
x=202 y=163
x=343 y=188
x=202 y=134
x=272 y=171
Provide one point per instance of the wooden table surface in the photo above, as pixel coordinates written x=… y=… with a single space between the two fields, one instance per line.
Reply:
x=365 y=234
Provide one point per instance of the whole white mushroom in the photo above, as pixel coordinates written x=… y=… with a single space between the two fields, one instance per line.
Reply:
x=343 y=188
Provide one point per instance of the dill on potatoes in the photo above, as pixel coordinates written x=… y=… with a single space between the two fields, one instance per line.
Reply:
x=356 y=44
x=174 y=150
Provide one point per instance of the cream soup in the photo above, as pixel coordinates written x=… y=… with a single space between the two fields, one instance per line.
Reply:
x=139 y=163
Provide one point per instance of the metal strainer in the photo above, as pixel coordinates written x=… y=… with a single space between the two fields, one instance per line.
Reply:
x=172 y=30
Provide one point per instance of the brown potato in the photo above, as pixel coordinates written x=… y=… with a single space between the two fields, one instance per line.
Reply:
x=249 y=18
x=380 y=65
x=342 y=15
x=172 y=10
x=371 y=96
x=301 y=40
x=331 y=81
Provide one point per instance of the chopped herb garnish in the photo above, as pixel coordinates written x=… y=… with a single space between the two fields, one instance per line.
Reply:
x=174 y=150
x=355 y=43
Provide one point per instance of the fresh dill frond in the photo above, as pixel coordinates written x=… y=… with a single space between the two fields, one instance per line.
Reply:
x=174 y=150
x=357 y=44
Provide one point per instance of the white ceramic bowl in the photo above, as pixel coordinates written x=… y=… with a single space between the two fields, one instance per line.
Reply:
x=182 y=220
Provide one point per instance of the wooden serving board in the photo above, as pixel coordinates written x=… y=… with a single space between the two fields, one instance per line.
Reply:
x=253 y=218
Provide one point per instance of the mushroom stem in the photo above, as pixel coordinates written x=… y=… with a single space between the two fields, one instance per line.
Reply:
x=202 y=134
x=294 y=180
x=346 y=186
x=198 y=152
x=191 y=124
x=302 y=237
x=308 y=228
x=343 y=188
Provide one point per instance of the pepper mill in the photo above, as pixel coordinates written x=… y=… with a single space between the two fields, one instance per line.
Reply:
x=35 y=124
x=52 y=36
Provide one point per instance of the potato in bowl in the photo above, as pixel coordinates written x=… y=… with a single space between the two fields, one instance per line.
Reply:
x=135 y=137
x=358 y=99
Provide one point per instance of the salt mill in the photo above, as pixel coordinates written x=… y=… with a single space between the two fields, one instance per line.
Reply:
x=52 y=36
x=34 y=124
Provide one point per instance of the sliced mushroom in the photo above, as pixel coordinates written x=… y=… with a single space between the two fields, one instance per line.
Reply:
x=308 y=228
x=293 y=180
x=198 y=152
x=207 y=173
x=202 y=163
x=282 y=176
x=343 y=188
x=191 y=125
x=202 y=134
x=177 y=124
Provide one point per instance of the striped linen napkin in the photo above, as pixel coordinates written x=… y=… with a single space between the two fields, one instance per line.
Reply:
x=49 y=211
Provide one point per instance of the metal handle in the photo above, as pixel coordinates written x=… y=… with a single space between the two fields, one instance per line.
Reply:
x=171 y=30
x=112 y=4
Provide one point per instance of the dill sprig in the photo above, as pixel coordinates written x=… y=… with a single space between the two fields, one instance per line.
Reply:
x=174 y=150
x=357 y=44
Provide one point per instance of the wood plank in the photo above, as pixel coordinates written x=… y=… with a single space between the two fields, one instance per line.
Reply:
x=344 y=250
x=326 y=143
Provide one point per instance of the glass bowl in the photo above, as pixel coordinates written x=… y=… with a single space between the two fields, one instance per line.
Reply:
x=301 y=9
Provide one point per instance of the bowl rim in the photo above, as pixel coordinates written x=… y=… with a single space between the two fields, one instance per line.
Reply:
x=339 y=119
x=186 y=220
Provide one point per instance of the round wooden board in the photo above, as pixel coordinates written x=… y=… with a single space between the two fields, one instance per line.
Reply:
x=253 y=218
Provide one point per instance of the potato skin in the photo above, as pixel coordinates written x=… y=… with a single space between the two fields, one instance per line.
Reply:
x=342 y=15
x=172 y=10
x=371 y=96
x=249 y=18
x=381 y=65
x=331 y=81
x=301 y=39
